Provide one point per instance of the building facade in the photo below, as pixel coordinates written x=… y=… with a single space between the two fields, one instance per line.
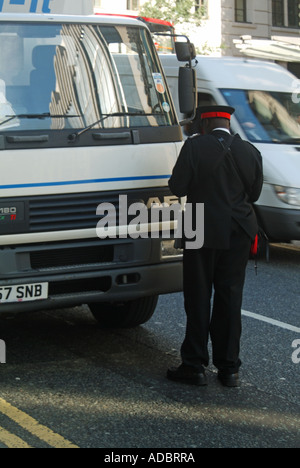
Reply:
x=268 y=29
x=124 y=7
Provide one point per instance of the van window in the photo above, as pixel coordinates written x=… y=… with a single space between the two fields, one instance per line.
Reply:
x=63 y=76
x=266 y=116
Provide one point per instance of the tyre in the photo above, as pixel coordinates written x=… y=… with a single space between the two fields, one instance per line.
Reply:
x=125 y=314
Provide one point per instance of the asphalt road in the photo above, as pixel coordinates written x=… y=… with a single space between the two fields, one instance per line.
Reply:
x=67 y=383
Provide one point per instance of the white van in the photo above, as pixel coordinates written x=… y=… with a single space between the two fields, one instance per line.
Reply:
x=268 y=115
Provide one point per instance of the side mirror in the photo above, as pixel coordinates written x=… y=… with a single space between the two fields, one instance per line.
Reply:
x=187 y=91
x=185 y=51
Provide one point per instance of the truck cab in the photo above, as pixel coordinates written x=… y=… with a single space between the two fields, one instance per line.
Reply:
x=86 y=117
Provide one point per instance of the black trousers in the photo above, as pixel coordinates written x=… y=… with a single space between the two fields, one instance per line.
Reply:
x=223 y=270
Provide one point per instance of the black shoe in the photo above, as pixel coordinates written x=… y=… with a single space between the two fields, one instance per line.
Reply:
x=229 y=380
x=188 y=375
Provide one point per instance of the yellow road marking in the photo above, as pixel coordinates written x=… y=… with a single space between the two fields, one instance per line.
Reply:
x=12 y=441
x=34 y=427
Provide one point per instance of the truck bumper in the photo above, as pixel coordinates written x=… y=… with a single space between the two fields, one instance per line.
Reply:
x=115 y=281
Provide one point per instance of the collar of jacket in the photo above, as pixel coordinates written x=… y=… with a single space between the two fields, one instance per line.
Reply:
x=221 y=130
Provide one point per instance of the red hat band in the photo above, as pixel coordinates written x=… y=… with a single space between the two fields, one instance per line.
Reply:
x=212 y=115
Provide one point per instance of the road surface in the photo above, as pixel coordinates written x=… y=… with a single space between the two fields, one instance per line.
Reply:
x=67 y=383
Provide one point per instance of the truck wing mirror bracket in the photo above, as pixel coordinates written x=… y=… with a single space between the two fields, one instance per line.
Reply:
x=187 y=81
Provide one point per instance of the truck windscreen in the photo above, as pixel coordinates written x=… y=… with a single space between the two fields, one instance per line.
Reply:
x=266 y=116
x=68 y=76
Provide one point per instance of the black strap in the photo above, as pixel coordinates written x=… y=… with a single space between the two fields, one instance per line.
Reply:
x=226 y=148
x=239 y=173
x=227 y=152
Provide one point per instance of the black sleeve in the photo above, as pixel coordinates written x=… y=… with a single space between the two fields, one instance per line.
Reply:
x=182 y=172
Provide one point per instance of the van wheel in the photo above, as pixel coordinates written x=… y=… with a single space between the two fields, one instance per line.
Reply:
x=124 y=314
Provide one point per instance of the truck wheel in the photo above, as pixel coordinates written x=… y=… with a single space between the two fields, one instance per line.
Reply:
x=125 y=314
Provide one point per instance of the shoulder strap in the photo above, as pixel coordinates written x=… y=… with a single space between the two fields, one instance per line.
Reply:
x=227 y=151
x=238 y=172
x=226 y=148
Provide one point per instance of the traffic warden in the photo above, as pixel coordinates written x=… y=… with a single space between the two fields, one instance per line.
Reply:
x=225 y=173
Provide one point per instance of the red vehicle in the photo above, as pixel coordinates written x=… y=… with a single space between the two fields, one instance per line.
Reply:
x=164 y=45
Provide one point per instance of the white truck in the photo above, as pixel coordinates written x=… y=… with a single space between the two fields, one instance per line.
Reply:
x=85 y=117
x=267 y=102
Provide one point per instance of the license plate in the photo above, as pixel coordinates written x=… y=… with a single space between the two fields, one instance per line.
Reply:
x=23 y=293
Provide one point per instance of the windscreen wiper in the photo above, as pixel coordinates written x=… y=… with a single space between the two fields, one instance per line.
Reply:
x=74 y=136
x=45 y=115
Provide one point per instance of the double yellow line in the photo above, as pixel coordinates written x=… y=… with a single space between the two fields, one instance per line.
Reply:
x=32 y=426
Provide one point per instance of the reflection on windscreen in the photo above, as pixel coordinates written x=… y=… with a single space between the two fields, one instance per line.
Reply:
x=62 y=76
x=266 y=116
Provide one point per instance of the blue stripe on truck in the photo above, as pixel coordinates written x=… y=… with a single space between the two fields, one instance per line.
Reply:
x=82 y=182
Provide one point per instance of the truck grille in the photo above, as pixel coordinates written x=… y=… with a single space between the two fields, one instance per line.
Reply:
x=67 y=212
x=57 y=258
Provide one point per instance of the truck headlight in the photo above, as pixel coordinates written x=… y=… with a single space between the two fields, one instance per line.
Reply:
x=288 y=195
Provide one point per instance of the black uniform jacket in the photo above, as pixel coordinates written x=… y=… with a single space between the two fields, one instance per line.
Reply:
x=199 y=175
